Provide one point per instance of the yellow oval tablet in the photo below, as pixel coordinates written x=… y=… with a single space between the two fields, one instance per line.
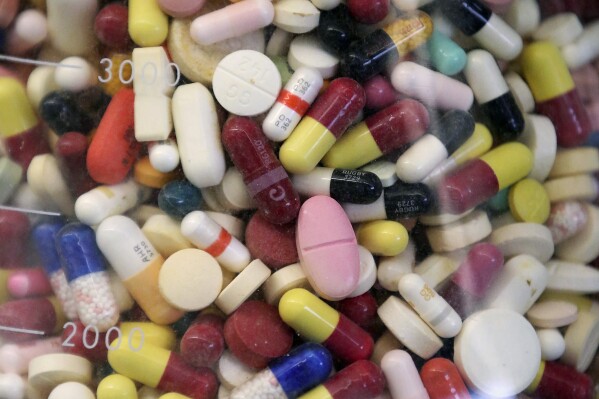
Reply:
x=529 y=201
x=383 y=237
x=116 y=386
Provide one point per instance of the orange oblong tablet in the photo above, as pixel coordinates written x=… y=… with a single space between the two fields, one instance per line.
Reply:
x=113 y=148
x=327 y=248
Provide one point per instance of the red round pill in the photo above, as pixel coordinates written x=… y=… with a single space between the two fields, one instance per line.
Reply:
x=271 y=243
x=111 y=26
x=203 y=343
x=255 y=334
x=360 y=309
x=368 y=11
x=379 y=93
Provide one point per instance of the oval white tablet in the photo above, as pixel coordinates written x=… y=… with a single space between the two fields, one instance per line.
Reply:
x=552 y=314
x=552 y=344
x=497 y=352
x=246 y=83
x=308 y=51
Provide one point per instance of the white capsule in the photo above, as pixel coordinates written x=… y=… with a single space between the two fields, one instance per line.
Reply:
x=584 y=49
x=420 y=159
x=524 y=16
x=164 y=155
x=71 y=25
x=198 y=135
x=103 y=201
x=431 y=307
x=209 y=236
x=484 y=77
x=293 y=102
x=499 y=38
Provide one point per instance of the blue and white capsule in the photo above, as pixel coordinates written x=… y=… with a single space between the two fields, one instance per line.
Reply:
x=289 y=376
x=88 y=279
x=44 y=238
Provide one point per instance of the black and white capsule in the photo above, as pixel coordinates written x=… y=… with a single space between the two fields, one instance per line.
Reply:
x=400 y=201
x=496 y=102
x=343 y=185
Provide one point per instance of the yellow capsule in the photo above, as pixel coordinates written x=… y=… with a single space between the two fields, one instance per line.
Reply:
x=160 y=336
x=16 y=113
x=4 y=295
x=510 y=162
x=545 y=71
x=173 y=395
x=383 y=237
x=537 y=380
x=479 y=143
x=116 y=386
x=308 y=315
x=344 y=153
x=148 y=25
x=529 y=202
x=141 y=362
x=320 y=392
x=410 y=32
x=306 y=146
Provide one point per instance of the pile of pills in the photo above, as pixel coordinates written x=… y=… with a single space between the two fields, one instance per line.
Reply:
x=314 y=199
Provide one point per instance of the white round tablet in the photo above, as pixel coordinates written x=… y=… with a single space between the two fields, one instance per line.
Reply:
x=308 y=51
x=190 y=279
x=296 y=16
x=71 y=390
x=12 y=386
x=497 y=352
x=246 y=83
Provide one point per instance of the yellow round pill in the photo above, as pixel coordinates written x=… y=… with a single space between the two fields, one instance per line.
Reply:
x=383 y=237
x=529 y=201
x=117 y=386
x=173 y=395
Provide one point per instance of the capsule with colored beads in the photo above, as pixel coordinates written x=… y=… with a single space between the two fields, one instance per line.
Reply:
x=493 y=95
x=22 y=135
x=554 y=92
x=475 y=19
x=400 y=201
x=316 y=321
x=44 y=236
x=442 y=380
x=160 y=368
x=265 y=178
x=480 y=179
x=293 y=102
x=289 y=376
x=327 y=119
x=88 y=279
x=384 y=47
x=209 y=236
x=454 y=128
x=361 y=379
x=387 y=130
x=343 y=185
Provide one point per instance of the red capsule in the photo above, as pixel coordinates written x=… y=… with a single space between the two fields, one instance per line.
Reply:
x=113 y=148
x=24 y=146
x=27 y=319
x=29 y=282
x=442 y=380
x=559 y=381
x=71 y=150
x=203 y=343
x=111 y=26
x=368 y=11
x=361 y=379
x=360 y=309
x=380 y=93
x=473 y=278
x=14 y=232
x=77 y=339
x=569 y=116
x=265 y=178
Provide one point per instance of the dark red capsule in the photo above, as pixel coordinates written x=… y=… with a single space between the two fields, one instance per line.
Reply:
x=265 y=178
x=361 y=379
x=560 y=381
x=360 y=309
x=71 y=150
x=14 y=232
x=380 y=93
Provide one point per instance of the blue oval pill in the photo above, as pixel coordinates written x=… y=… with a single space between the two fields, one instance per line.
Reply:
x=178 y=198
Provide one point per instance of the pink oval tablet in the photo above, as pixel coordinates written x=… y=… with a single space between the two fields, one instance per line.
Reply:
x=327 y=248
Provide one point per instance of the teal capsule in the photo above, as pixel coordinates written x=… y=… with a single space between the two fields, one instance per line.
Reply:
x=446 y=56
x=499 y=202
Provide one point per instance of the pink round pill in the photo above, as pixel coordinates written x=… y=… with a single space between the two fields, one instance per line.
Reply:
x=181 y=8
x=30 y=282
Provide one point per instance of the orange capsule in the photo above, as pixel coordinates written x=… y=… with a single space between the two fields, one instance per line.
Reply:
x=442 y=380
x=113 y=148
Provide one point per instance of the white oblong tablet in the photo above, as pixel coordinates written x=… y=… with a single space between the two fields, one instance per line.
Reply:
x=190 y=279
x=560 y=29
x=582 y=247
x=296 y=16
x=48 y=371
x=436 y=269
x=463 y=232
x=283 y=280
x=540 y=138
x=552 y=314
x=521 y=92
x=367 y=272
x=71 y=390
x=552 y=343
x=308 y=51
x=524 y=238
x=572 y=277
x=497 y=352
x=246 y=83
x=391 y=268
x=578 y=187
x=402 y=376
x=582 y=340
x=242 y=286
x=524 y=16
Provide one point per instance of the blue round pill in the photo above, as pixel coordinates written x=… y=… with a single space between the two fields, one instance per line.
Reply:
x=178 y=198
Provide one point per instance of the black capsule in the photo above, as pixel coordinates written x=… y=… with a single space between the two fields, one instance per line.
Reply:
x=469 y=16
x=503 y=117
x=403 y=200
x=62 y=113
x=369 y=56
x=454 y=128
x=355 y=186
x=336 y=29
